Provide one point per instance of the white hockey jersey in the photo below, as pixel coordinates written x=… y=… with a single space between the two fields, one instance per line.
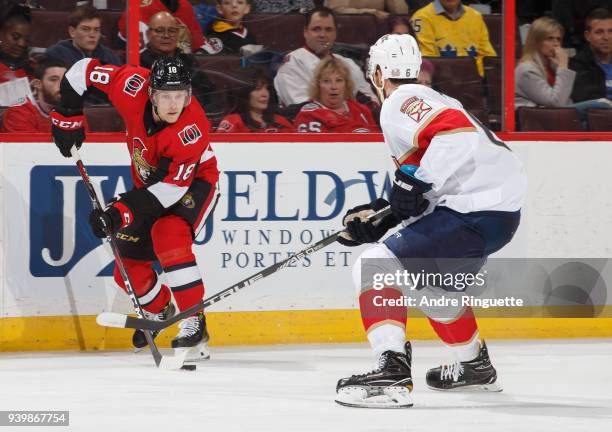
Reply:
x=469 y=167
x=294 y=75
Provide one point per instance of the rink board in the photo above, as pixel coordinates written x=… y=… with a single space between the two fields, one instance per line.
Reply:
x=276 y=199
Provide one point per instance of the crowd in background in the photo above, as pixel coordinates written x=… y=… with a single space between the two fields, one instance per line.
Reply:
x=565 y=58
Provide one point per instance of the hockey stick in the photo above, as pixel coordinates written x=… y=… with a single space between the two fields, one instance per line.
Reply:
x=160 y=361
x=113 y=319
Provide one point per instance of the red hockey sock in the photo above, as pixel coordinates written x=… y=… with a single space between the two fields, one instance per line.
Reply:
x=152 y=295
x=459 y=331
x=172 y=240
x=375 y=308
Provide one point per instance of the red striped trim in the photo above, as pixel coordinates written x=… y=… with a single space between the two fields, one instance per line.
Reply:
x=371 y=314
x=446 y=121
x=459 y=331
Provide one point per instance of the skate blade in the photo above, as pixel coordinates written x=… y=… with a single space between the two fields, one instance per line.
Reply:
x=494 y=387
x=194 y=354
x=388 y=398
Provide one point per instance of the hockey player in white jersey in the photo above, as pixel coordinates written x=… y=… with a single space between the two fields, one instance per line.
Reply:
x=458 y=192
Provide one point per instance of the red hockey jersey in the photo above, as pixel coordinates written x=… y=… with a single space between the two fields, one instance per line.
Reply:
x=28 y=117
x=233 y=123
x=165 y=161
x=7 y=74
x=25 y=117
x=316 y=117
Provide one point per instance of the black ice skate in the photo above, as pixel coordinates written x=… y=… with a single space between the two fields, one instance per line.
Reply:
x=387 y=386
x=138 y=338
x=477 y=374
x=192 y=339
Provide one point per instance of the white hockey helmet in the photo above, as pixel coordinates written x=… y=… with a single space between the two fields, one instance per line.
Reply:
x=397 y=56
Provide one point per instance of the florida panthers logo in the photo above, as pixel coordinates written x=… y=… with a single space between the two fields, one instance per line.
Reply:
x=134 y=84
x=415 y=108
x=190 y=134
x=143 y=168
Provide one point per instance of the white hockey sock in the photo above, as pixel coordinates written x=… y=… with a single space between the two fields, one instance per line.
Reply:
x=387 y=337
x=467 y=351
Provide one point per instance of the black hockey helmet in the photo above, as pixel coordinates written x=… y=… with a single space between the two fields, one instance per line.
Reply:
x=170 y=73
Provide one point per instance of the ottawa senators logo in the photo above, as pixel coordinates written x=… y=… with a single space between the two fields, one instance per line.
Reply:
x=187 y=201
x=190 y=134
x=134 y=84
x=143 y=168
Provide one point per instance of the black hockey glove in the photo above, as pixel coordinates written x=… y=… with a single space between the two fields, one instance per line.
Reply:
x=67 y=129
x=360 y=230
x=407 y=194
x=107 y=221
x=119 y=214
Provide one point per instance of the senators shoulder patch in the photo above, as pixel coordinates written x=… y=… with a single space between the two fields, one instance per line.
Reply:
x=134 y=84
x=190 y=134
x=415 y=108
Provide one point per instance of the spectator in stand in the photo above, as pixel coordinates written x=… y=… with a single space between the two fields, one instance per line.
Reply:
x=400 y=25
x=84 y=28
x=15 y=44
x=572 y=14
x=163 y=41
x=542 y=76
x=447 y=28
x=295 y=74
x=332 y=107
x=33 y=115
x=282 y=6
x=381 y=9
x=255 y=111
x=191 y=39
x=593 y=65
x=228 y=31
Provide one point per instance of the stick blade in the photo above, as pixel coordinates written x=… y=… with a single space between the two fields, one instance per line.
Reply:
x=111 y=319
x=173 y=362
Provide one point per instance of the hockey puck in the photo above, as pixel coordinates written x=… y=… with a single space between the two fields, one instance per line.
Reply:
x=188 y=367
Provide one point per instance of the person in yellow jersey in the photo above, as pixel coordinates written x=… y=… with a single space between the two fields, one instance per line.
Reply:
x=447 y=28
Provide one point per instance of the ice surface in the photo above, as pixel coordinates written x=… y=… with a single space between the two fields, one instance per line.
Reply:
x=548 y=386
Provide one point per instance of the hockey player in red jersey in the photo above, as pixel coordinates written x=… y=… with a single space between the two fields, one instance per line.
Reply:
x=175 y=174
x=457 y=191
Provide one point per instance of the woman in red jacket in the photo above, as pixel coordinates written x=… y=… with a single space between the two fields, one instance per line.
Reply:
x=255 y=108
x=332 y=107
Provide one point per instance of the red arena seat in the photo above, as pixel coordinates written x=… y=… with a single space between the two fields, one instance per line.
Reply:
x=458 y=77
x=103 y=119
x=600 y=120
x=549 y=119
x=277 y=32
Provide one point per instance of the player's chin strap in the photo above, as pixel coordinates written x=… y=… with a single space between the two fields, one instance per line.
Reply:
x=380 y=91
x=160 y=361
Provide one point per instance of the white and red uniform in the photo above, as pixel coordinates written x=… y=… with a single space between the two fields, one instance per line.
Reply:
x=478 y=186
x=177 y=165
x=294 y=75
x=469 y=173
x=233 y=123
x=316 y=117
